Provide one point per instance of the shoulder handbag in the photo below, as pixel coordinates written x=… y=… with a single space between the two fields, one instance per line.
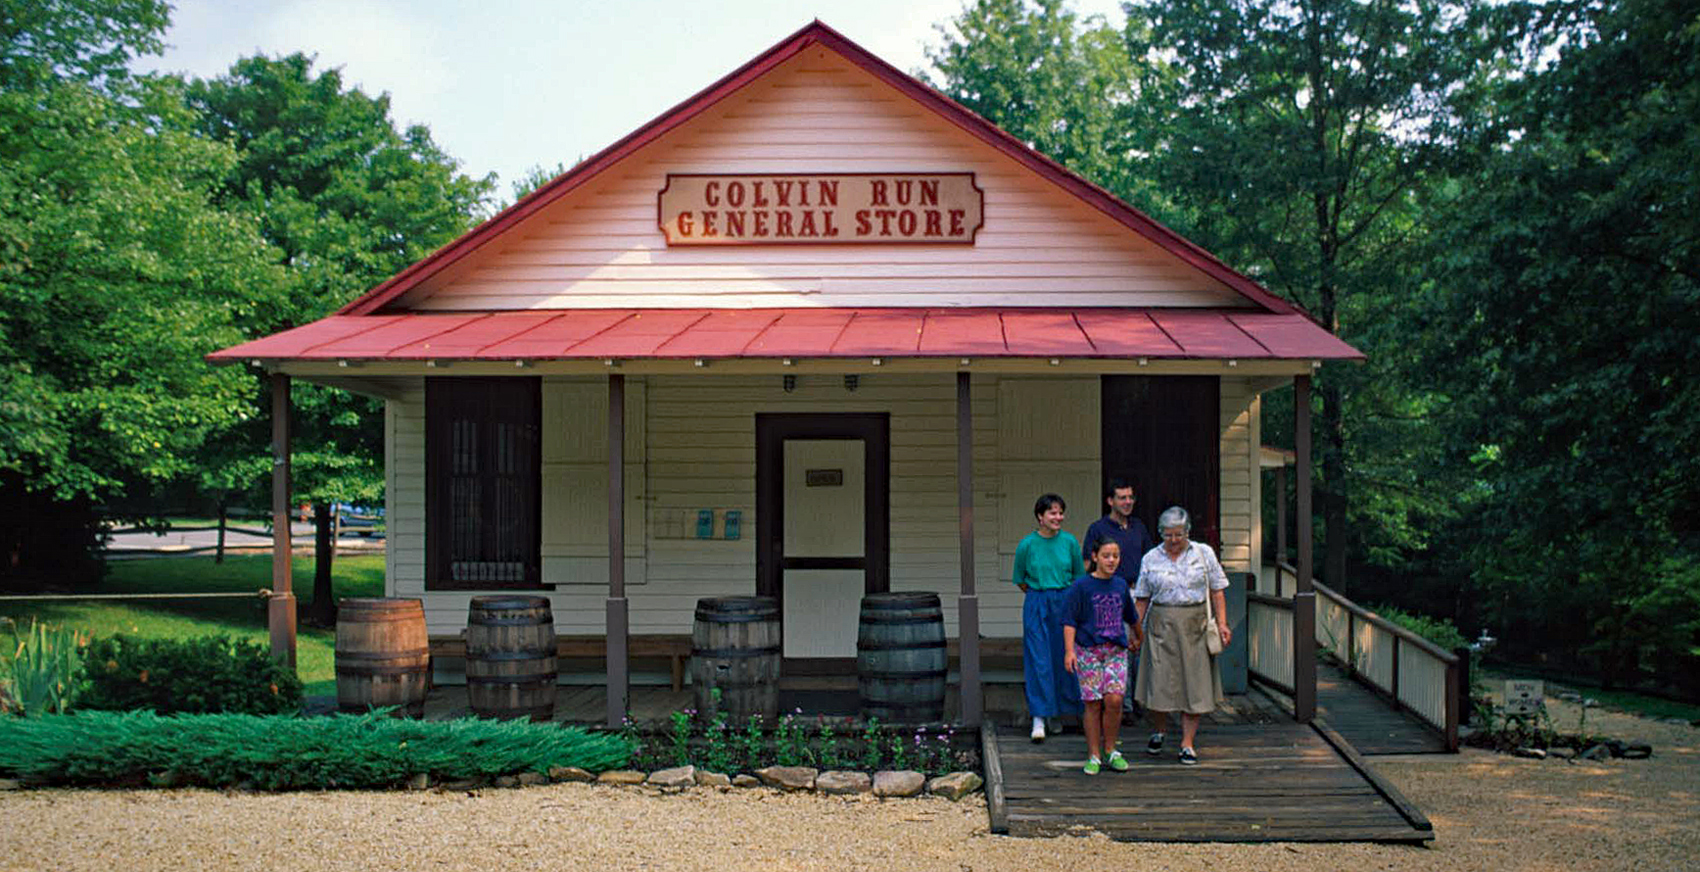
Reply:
x=1212 y=638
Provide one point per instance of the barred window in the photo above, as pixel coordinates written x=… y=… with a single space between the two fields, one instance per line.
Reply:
x=483 y=483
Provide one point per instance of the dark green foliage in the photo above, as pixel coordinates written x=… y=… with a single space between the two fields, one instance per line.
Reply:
x=289 y=753
x=117 y=274
x=1440 y=631
x=211 y=674
x=821 y=743
x=1565 y=323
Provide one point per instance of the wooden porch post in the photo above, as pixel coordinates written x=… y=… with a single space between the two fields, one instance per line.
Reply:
x=1280 y=522
x=968 y=604
x=619 y=687
x=1304 y=598
x=280 y=607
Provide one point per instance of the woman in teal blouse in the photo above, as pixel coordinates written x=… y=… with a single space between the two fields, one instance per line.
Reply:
x=1046 y=563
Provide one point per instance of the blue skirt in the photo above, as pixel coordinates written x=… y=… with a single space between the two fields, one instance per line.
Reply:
x=1051 y=689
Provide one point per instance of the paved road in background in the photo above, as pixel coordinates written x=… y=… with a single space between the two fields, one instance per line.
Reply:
x=179 y=542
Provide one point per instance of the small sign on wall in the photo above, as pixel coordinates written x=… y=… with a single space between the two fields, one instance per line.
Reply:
x=823 y=478
x=1524 y=696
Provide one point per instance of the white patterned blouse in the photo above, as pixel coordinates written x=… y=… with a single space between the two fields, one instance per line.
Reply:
x=1180 y=581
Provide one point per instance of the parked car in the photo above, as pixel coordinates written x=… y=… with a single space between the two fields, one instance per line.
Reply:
x=364 y=520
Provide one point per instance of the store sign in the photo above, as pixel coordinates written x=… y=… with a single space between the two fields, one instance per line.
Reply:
x=817 y=209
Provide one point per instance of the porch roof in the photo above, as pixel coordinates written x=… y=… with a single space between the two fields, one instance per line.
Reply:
x=720 y=334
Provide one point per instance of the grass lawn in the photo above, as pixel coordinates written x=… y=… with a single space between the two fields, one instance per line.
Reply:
x=354 y=575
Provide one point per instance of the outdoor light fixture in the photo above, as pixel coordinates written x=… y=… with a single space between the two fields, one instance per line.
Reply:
x=790 y=383
x=851 y=382
x=964 y=361
x=701 y=362
x=785 y=361
x=878 y=361
x=1143 y=361
x=520 y=364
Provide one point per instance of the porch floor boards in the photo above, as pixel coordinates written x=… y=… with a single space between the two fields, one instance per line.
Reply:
x=1365 y=718
x=1255 y=782
x=1369 y=721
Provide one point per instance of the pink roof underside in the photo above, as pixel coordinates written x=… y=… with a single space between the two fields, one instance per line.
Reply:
x=770 y=333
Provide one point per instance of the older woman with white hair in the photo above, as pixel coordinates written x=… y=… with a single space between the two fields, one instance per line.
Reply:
x=1179 y=599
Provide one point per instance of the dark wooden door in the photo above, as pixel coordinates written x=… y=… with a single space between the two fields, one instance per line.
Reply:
x=1163 y=433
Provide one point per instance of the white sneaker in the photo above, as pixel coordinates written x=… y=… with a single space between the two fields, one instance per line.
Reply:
x=1038 y=734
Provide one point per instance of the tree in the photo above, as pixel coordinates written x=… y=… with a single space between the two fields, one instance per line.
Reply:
x=116 y=275
x=1565 y=323
x=43 y=42
x=348 y=200
x=1053 y=80
x=1297 y=141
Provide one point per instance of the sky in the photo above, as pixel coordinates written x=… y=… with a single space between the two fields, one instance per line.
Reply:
x=506 y=85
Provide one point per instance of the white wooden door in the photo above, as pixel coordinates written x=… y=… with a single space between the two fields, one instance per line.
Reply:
x=825 y=520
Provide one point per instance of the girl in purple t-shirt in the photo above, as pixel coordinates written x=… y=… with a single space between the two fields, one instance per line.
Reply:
x=1096 y=641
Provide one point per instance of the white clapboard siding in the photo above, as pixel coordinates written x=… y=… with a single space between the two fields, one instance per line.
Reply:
x=1241 y=502
x=698 y=452
x=599 y=246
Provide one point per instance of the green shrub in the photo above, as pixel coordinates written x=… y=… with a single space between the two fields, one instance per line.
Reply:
x=41 y=671
x=288 y=753
x=1440 y=631
x=194 y=676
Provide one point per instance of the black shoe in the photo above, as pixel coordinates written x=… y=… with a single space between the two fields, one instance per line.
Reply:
x=1188 y=757
x=1155 y=746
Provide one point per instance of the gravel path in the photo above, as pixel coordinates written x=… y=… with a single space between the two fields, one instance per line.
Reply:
x=1491 y=812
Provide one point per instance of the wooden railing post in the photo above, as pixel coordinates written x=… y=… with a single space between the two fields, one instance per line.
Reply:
x=619 y=619
x=969 y=690
x=1457 y=695
x=1351 y=644
x=1397 y=700
x=280 y=608
x=1304 y=598
x=1461 y=699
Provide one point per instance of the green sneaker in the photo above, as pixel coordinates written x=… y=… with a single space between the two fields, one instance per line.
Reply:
x=1117 y=761
x=1092 y=767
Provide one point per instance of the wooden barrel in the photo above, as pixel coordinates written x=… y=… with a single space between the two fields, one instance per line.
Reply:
x=735 y=649
x=900 y=657
x=383 y=656
x=510 y=657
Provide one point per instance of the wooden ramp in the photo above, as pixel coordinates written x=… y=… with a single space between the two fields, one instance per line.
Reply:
x=1273 y=782
x=1372 y=723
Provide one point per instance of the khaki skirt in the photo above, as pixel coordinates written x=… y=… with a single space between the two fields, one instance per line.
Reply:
x=1176 y=671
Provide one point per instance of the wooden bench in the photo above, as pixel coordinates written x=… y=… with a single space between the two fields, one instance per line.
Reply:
x=676 y=647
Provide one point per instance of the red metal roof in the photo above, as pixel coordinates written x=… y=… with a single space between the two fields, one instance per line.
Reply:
x=628 y=334
x=813 y=34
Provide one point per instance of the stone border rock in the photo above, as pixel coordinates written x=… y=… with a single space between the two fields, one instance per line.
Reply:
x=798 y=779
x=790 y=779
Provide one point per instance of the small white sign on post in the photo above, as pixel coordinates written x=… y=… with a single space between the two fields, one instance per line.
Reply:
x=1523 y=696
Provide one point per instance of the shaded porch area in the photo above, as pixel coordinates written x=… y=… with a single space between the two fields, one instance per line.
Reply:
x=1261 y=777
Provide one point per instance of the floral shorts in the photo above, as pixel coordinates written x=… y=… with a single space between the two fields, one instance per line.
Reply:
x=1102 y=670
